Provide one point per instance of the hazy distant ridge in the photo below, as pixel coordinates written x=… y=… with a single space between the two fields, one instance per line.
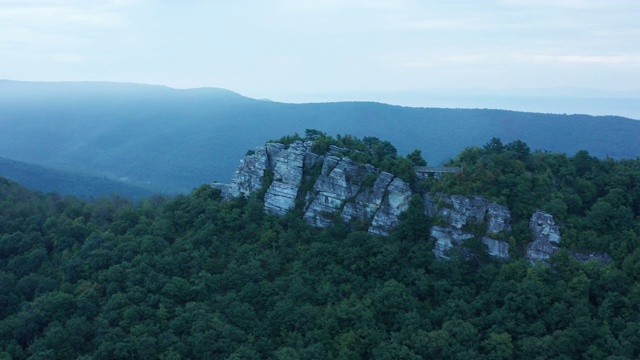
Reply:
x=174 y=140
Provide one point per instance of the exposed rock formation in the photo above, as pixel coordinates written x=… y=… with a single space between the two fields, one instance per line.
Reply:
x=546 y=236
x=342 y=188
x=340 y=180
x=459 y=211
x=446 y=238
x=368 y=202
x=546 y=241
x=288 y=167
x=497 y=248
x=362 y=193
x=396 y=201
x=248 y=177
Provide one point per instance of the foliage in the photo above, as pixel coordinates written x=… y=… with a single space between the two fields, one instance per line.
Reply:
x=368 y=150
x=68 y=183
x=597 y=202
x=196 y=276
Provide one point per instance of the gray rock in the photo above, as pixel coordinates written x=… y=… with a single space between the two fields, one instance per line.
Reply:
x=288 y=169
x=339 y=191
x=248 y=177
x=546 y=237
x=339 y=181
x=369 y=201
x=457 y=210
x=497 y=248
x=397 y=200
x=287 y=165
x=546 y=240
x=446 y=238
x=280 y=197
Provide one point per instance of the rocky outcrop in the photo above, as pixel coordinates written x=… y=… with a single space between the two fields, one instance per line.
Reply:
x=459 y=211
x=546 y=241
x=369 y=201
x=546 y=236
x=497 y=248
x=363 y=194
x=340 y=180
x=288 y=166
x=396 y=201
x=446 y=238
x=344 y=188
x=248 y=177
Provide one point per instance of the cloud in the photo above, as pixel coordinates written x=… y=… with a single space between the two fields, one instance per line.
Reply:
x=68 y=58
x=583 y=59
x=55 y=15
x=571 y=4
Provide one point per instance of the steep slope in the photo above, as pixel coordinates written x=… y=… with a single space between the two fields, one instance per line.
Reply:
x=286 y=178
x=174 y=140
x=67 y=183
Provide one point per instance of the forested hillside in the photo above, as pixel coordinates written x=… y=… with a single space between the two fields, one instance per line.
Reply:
x=66 y=182
x=196 y=276
x=173 y=140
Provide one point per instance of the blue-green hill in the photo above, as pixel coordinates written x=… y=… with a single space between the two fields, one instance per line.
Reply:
x=67 y=183
x=174 y=140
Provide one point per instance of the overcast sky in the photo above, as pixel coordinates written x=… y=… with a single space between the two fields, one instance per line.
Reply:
x=266 y=49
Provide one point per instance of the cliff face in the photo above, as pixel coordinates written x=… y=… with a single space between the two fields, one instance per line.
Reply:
x=546 y=236
x=461 y=214
x=326 y=188
x=342 y=188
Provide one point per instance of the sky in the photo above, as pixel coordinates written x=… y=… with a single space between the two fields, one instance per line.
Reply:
x=299 y=50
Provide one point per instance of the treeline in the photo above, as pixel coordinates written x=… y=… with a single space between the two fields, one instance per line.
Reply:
x=368 y=150
x=196 y=276
x=596 y=202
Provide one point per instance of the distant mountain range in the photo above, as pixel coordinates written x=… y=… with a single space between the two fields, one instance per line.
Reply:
x=66 y=182
x=172 y=141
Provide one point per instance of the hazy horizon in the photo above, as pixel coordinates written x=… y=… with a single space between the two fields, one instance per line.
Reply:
x=555 y=101
x=319 y=50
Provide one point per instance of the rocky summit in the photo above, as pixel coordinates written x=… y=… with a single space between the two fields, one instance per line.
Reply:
x=341 y=188
x=332 y=187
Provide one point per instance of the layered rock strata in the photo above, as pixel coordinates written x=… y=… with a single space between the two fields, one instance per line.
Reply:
x=344 y=188
x=339 y=181
x=459 y=211
x=396 y=201
x=288 y=168
x=362 y=193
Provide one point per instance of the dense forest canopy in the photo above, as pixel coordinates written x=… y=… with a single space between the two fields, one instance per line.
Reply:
x=197 y=276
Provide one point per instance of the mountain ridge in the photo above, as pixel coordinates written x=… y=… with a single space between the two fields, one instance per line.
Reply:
x=174 y=140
